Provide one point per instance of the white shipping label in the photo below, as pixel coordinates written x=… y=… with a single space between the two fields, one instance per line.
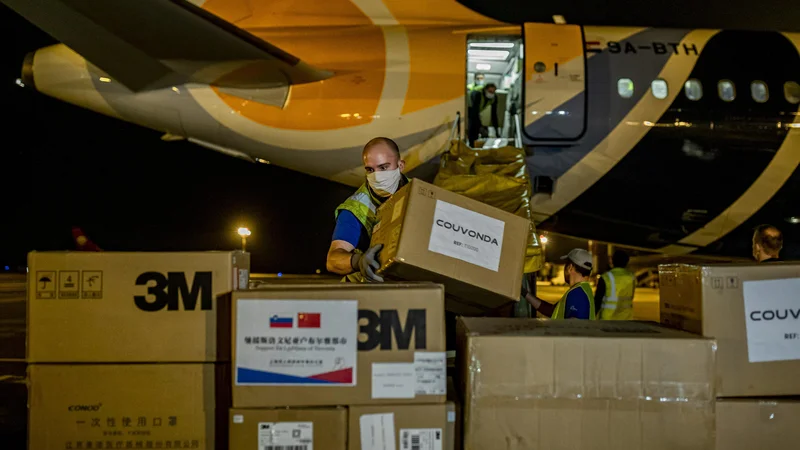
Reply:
x=286 y=436
x=393 y=380
x=772 y=319
x=466 y=235
x=377 y=431
x=431 y=369
x=420 y=439
x=244 y=279
x=296 y=342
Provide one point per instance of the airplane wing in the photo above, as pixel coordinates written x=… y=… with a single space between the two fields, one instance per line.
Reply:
x=150 y=44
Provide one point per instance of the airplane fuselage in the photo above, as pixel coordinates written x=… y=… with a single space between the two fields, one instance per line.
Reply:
x=611 y=117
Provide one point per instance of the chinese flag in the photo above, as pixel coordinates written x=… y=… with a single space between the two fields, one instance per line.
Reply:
x=308 y=320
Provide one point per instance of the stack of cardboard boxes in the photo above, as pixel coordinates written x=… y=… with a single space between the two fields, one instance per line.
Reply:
x=563 y=385
x=339 y=366
x=753 y=312
x=122 y=349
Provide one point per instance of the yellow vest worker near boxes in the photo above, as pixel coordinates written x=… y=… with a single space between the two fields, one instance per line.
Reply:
x=578 y=301
x=350 y=253
x=614 y=294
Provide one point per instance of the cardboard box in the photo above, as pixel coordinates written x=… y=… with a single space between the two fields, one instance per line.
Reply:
x=403 y=427
x=568 y=384
x=342 y=344
x=475 y=250
x=758 y=353
x=764 y=424
x=288 y=429
x=127 y=406
x=128 y=307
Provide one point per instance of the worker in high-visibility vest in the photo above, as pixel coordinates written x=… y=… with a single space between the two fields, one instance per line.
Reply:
x=615 y=289
x=350 y=253
x=577 y=302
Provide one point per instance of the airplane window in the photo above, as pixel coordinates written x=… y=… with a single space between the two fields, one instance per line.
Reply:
x=726 y=90
x=693 y=89
x=659 y=88
x=791 y=90
x=625 y=87
x=759 y=91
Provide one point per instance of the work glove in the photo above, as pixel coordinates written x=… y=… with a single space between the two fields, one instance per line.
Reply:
x=367 y=263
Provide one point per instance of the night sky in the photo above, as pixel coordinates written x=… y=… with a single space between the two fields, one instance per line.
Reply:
x=61 y=165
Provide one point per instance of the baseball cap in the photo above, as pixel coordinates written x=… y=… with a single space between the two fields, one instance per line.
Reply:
x=580 y=257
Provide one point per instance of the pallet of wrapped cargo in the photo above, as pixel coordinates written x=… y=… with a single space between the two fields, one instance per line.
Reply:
x=98 y=406
x=544 y=384
x=752 y=310
x=475 y=250
x=336 y=344
x=128 y=307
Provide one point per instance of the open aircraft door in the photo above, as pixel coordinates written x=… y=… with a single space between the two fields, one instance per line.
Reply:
x=554 y=90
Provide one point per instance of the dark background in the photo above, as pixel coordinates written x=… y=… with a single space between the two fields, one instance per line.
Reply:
x=63 y=166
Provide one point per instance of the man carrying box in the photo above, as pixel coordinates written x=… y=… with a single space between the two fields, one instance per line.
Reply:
x=349 y=253
x=578 y=301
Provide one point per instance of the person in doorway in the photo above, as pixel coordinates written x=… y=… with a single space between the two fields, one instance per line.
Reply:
x=478 y=84
x=767 y=243
x=349 y=253
x=482 y=113
x=615 y=289
x=578 y=301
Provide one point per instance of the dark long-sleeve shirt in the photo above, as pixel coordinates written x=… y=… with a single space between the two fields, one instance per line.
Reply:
x=475 y=109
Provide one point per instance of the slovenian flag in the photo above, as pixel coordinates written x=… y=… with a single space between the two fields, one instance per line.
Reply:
x=309 y=320
x=280 y=322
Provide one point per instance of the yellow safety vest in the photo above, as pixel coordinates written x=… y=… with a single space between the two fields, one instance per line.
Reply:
x=363 y=204
x=560 y=312
x=618 y=300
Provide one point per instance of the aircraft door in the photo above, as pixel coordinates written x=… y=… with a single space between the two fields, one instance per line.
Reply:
x=555 y=82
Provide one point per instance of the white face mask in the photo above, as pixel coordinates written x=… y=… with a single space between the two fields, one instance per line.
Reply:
x=490 y=95
x=384 y=183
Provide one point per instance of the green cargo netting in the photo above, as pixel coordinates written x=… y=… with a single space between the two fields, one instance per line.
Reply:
x=497 y=177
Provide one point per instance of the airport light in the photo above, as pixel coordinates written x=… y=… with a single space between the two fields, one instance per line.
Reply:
x=794 y=220
x=244 y=233
x=543 y=239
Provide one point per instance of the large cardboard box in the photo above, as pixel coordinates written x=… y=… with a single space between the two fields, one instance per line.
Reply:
x=128 y=406
x=475 y=250
x=751 y=310
x=128 y=307
x=403 y=427
x=341 y=344
x=572 y=384
x=288 y=429
x=763 y=424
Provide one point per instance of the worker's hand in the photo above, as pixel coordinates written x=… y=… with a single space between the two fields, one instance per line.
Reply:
x=367 y=263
